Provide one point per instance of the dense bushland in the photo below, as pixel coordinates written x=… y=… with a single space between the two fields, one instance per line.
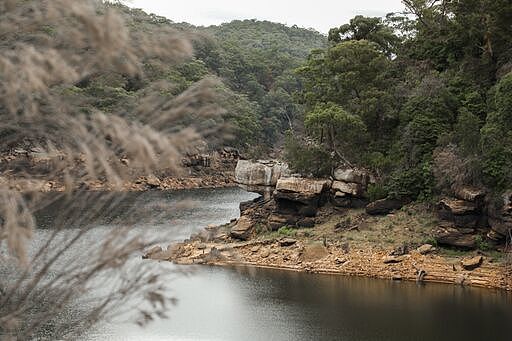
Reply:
x=422 y=98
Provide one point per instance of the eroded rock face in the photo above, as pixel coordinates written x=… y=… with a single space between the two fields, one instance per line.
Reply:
x=243 y=228
x=461 y=238
x=458 y=207
x=302 y=186
x=297 y=201
x=500 y=219
x=352 y=175
x=259 y=176
x=462 y=213
x=341 y=189
x=471 y=194
x=384 y=206
x=300 y=196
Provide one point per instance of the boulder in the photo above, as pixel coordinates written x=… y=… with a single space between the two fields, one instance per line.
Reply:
x=392 y=259
x=243 y=229
x=352 y=175
x=153 y=253
x=341 y=189
x=259 y=176
x=302 y=186
x=472 y=263
x=471 y=194
x=265 y=253
x=456 y=238
x=457 y=206
x=287 y=242
x=152 y=181
x=425 y=249
x=313 y=252
x=300 y=196
x=384 y=206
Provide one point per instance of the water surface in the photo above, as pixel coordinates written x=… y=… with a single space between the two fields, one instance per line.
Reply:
x=260 y=304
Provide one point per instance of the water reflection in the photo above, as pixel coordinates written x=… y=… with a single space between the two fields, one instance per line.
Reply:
x=261 y=304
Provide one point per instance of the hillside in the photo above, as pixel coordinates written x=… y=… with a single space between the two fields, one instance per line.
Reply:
x=255 y=61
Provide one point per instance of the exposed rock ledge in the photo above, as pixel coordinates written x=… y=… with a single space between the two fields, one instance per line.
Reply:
x=335 y=258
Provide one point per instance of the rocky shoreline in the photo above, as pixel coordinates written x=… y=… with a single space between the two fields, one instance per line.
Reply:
x=422 y=265
x=199 y=171
x=137 y=185
x=330 y=226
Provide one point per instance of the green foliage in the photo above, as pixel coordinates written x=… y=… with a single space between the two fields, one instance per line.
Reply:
x=376 y=192
x=334 y=128
x=496 y=138
x=418 y=84
x=307 y=158
x=467 y=131
x=256 y=58
x=365 y=28
x=242 y=116
x=482 y=244
x=287 y=231
x=416 y=182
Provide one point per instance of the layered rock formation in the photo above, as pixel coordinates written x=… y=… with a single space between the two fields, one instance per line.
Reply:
x=500 y=218
x=462 y=218
x=297 y=200
x=349 y=188
x=292 y=200
x=259 y=176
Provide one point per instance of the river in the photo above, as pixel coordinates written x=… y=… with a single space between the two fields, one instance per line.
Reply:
x=260 y=304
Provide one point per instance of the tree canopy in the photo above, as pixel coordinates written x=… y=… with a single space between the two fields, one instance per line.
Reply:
x=432 y=81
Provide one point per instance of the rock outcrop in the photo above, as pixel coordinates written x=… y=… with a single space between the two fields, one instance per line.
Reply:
x=462 y=217
x=297 y=200
x=352 y=175
x=243 y=228
x=384 y=206
x=460 y=238
x=259 y=176
x=349 y=188
x=500 y=218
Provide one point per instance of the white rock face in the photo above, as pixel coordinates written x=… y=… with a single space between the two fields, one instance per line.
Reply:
x=259 y=176
x=262 y=173
x=352 y=175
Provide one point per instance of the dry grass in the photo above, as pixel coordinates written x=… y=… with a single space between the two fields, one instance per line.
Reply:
x=47 y=46
x=412 y=225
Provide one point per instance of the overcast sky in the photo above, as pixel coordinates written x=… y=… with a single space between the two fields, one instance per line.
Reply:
x=318 y=14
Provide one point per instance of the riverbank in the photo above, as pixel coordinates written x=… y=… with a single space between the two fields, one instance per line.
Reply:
x=137 y=185
x=336 y=258
x=216 y=172
x=397 y=247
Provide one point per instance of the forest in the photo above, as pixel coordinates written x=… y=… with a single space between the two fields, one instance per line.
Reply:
x=424 y=103
x=420 y=98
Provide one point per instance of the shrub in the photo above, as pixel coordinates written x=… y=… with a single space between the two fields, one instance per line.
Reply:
x=308 y=159
x=376 y=192
x=287 y=231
